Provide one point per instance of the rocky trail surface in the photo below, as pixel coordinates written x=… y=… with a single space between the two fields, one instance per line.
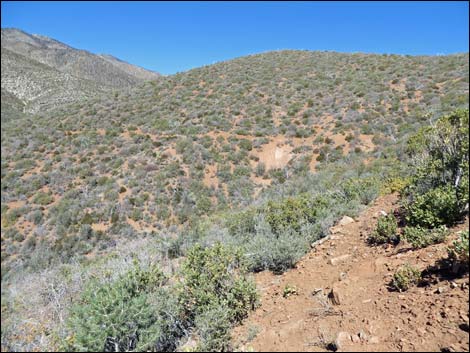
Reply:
x=338 y=299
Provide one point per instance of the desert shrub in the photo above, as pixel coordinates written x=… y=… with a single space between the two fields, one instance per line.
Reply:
x=246 y=144
x=440 y=156
x=420 y=237
x=213 y=327
x=216 y=276
x=405 y=277
x=386 y=231
x=438 y=206
x=459 y=250
x=43 y=198
x=260 y=169
x=277 y=253
x=395 y=184
x=241 y=222
x=364 y=189
x=131 y=313
x=292 y=212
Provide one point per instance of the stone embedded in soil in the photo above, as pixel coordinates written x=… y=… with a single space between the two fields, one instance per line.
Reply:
x=346 y=220
x=355 y=338
x=337 y=260
x=334 y=296
x=362 y=335
x=342 y=339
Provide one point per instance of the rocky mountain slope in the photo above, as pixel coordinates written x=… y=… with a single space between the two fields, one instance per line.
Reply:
x=45 y=73
x=40 y=87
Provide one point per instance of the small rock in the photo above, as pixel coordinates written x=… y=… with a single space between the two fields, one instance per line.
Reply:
x=366 y=301
x=334 y=296
x=440 y=290
x=317 y=291
x=342 y=276
x=346 y=220
x=362 y=335
x=336 y=260
x=342 y=339
x=453 y=285
x=355 y=338
x=383 y=213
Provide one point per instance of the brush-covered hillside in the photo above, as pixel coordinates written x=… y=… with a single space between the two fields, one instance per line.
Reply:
x=261 y=155
x=210 y=139
x=44 y=73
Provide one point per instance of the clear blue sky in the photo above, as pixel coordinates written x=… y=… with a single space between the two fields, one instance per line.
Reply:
x=175 y=36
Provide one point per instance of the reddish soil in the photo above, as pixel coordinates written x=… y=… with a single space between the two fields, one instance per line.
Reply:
x=369 y=316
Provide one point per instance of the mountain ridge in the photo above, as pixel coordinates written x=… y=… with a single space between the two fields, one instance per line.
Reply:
x=53 y=63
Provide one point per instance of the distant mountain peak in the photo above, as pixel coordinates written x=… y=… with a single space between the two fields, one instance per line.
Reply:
x=43 y=72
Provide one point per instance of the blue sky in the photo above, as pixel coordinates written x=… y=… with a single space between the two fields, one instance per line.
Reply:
x=175 y=36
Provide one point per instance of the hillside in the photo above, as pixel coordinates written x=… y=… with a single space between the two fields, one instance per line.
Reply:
x=198 y=142
x=366 y=314
x=45 y=73
x=247 y=161
x=39 y=87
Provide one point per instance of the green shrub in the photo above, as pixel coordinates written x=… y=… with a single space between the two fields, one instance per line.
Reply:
x=43 y=198
x=216 y=276
x=440 y=155
x=213 y=327
x=405 y=277
x=438 y=206
x=289 y=290
x=293 y=212
x=364 y=189
x=386 y=231
x=260 y=169
x=241 y=222
x=131 y=313
x=278 y=253
x=420 y=237
x=396 y=184
x=459 y=251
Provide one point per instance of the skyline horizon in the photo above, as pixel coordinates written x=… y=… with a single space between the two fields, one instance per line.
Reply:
x=171 y=37
x=246 y=55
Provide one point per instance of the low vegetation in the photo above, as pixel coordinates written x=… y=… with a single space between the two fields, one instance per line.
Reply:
x=178 y=173
x=386 y=231
x=405 y=277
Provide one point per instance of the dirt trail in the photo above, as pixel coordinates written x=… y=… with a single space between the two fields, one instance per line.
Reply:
x=366 y=316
